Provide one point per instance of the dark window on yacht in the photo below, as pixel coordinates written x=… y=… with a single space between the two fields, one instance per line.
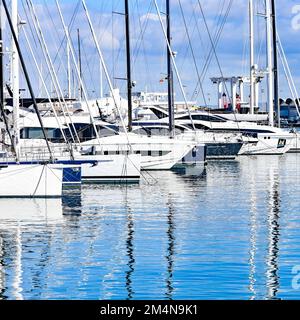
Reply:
x=197 y=126
x=188 y=126
x=200 y=126
x=53 y=134
x=202 y=117
x=245 y=131
x=84 y=131
x=104 y=131
x=143 y=131
x=157 y=131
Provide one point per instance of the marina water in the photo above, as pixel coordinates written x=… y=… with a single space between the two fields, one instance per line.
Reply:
x=232 y=233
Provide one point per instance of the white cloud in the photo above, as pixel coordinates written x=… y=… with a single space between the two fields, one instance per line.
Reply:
x=150 y=17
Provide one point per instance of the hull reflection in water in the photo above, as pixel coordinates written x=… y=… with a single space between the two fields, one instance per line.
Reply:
x=20 y=216
x=231 y=233
x=196 y=170
x=30 y=211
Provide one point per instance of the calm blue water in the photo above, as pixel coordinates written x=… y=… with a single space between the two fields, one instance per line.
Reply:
x=233 y=233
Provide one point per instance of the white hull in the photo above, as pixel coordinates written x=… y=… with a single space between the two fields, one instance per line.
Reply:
x=159 y=153
x=263 y=139
x=295 y=144
x=245 y=117
x=205 y=137
x=167 y=161
x=116 y=168
x=30 y=181
x=269 y=144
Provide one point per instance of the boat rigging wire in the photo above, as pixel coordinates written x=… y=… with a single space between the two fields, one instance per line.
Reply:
x=218 y=24
x=22 y=62
x=193 y=53
x=39 y=181
x=50 y=66
x=70 y=27
x=84 y=92
x=140 y=45
x=216 y=40
x=174 y=64
x=104 y=69
x=213 y=44
x=88 y=67
x=288 y=74
x=47 y=92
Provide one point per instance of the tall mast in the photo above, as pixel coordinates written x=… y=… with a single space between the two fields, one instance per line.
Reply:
x=3 y=115
x=20 y=58
x=170 y=73
x=270 y=63
x=101 y=79
x=15 y=72
x=275 y=58
x=252 y=66
x=80 y=64
x=128 y=58
x=69 y=71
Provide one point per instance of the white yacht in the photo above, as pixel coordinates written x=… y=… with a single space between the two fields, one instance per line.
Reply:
x=258 y=139
x=118 y=168
x=219 y=145
x=159 y=153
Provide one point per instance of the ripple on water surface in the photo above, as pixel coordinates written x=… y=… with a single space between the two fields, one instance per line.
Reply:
x=232 y=233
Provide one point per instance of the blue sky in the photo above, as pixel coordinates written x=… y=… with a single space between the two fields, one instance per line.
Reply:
x=148 y=44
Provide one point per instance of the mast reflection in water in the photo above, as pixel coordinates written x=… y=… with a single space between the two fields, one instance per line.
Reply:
x=253 y=238
x=273 y=235
x=130 y=251
x=170 y=248
x=231 y=235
